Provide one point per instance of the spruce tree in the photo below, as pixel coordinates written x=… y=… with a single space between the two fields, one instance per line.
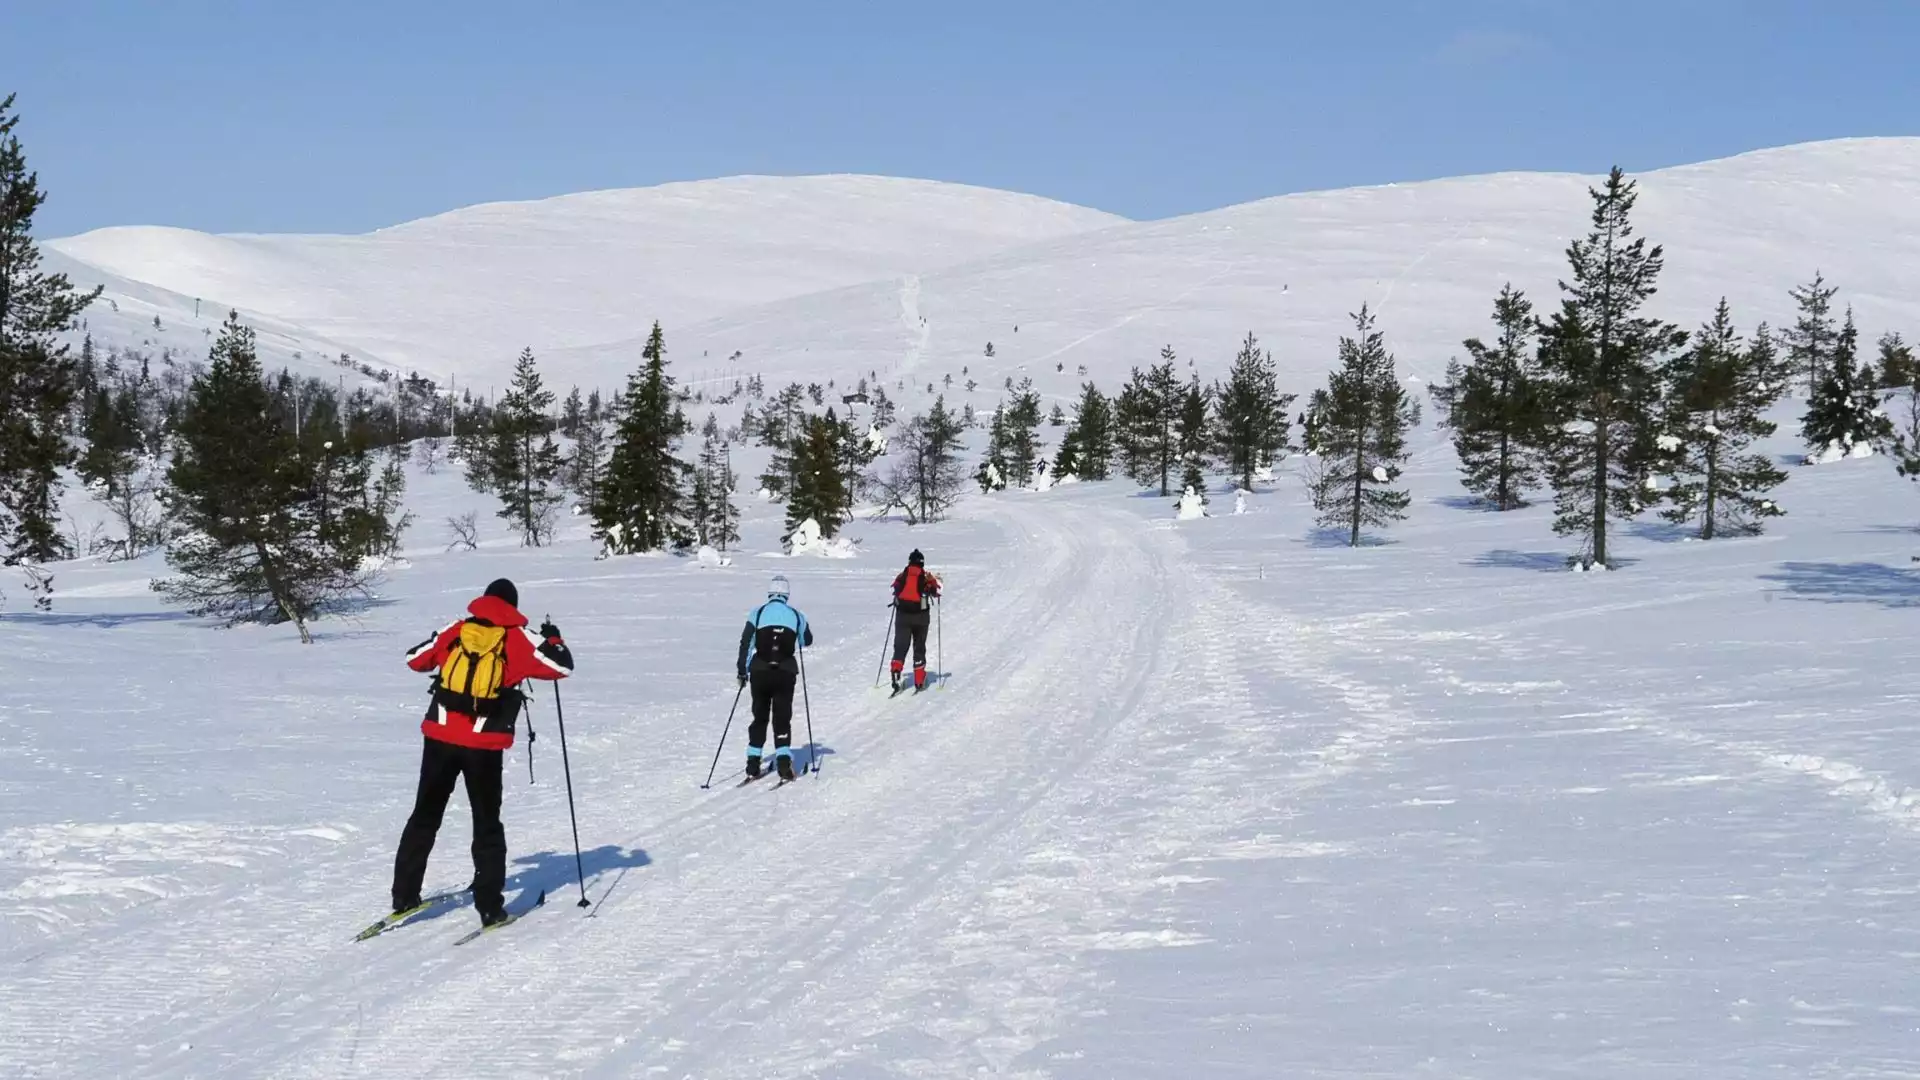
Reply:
x=573 y=414
x=1721 y=391
x=1898 y=368
x=523 y=459
x=1092 y=434
x=1020 y=439
x=819 y=485
x=1811 y=340
x=253 y=542
x=1251 y=432
x=1844 y=411
x=1194 y=434
x=1150 y=411
x=640 y=507
x=37 y=377
x=992 y=474
x=715 y=518
x=1602 y=362
x=1362 y=417
x=1497 y=408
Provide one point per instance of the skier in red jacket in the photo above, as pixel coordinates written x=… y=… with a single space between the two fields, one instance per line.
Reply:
x=914 y=592
x=478 y=664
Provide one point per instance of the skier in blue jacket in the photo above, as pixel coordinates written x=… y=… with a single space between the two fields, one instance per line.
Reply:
x=769 y=661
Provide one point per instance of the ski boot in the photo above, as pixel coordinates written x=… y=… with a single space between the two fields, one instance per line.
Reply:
x=785 y=764
x=753 y=766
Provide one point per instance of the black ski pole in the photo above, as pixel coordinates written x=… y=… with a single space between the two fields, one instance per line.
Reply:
x=526 y=710
x=723 y=737
x=560 y=719
x=885 y=644
x=813 y=754
x=939 y=640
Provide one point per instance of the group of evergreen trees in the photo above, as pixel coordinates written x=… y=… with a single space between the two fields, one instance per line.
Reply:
x=1601 y=402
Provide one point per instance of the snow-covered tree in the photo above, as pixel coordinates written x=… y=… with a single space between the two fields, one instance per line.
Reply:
x=1603 y=363
x=1716 y=410
x=1251 y=430
x=1844 y=412
x=1362 y=417
x=640 y=504
x=1497 y=408
x=715 y=517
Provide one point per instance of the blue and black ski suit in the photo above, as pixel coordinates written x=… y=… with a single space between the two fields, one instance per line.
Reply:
x=769 y=662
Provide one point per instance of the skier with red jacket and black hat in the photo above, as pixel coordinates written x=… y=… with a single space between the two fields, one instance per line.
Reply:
x=914 y=592
x=478 y=664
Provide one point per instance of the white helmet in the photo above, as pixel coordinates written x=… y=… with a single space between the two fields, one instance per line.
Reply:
x=778 y=589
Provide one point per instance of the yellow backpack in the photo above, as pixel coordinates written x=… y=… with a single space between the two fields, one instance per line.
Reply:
x=471 y=674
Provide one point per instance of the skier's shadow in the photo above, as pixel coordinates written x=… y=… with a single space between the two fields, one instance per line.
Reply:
x=553 y=871
x=804 y=756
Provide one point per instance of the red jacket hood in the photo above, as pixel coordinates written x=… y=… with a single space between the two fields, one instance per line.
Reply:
x=496 y=611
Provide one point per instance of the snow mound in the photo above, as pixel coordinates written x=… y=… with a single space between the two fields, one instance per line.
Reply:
x=1239 y=502
x=806 y=540
x=710 y=559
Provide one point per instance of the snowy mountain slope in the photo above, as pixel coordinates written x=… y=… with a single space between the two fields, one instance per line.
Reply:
x=1212 y=794
x=123 y=319
x=1428 y=257
x=465 y=291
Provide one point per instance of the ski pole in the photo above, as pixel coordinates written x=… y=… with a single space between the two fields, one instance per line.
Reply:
x=939 y=640
x=579 y=866
x=885 y=644
x=526 y=710
x=723 y=737
x=813 y=755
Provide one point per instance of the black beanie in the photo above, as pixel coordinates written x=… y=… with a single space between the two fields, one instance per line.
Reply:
x=916 y=559
x=504 y=590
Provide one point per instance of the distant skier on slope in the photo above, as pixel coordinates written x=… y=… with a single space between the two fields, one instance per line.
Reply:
x=769 y=645
x=914 y=592
x=478 y=664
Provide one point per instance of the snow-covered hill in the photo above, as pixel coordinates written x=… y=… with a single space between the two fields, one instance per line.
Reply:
x=1428 y=257
x=463 y=292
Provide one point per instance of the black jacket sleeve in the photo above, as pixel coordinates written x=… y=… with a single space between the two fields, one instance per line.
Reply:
x=746 y=642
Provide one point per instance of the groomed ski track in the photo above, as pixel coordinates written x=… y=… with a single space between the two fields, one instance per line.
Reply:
x=771 y=932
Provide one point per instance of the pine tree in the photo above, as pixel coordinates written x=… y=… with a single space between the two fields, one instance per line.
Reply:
x=523 y=460
x=641 y=497
x=253 y=541
x=1602 y=362
x=1194 y=434
x=1362 y=419
x=587 y=462
x=1844 y=412
x=37 y=378
x=1717 y=410
x=819 y=486
x=1056 y=418
x=1813 y=337
x=1498 y=409
x=1251 y=432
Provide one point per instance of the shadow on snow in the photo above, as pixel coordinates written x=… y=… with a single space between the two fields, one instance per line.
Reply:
x=1849 y=583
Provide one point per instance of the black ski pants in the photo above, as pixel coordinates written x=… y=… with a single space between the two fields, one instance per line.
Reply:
x=441 y=766
x=910 y=628
x=772 y=686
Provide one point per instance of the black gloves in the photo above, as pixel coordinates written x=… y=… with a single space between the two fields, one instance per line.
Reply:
x=549 y=632
x=743 y=682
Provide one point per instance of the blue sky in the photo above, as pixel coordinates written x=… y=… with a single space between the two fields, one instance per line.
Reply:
x=347 y=115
